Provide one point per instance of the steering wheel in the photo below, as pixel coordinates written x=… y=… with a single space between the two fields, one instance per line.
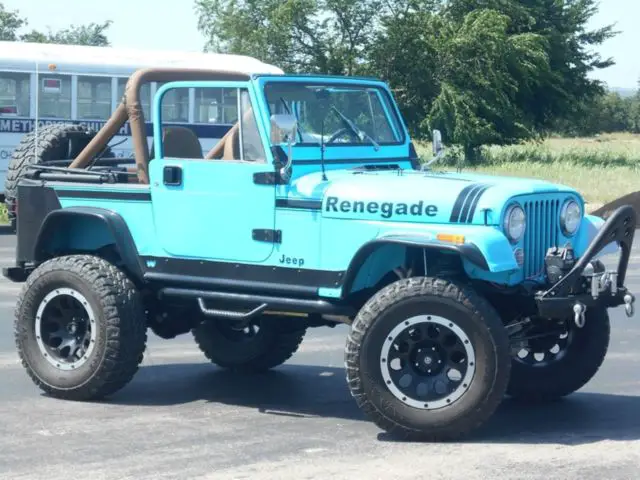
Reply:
x=341 y=132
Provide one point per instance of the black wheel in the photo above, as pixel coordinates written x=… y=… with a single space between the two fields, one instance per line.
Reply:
x=55 y=142
x=427 y=359
x=264 y=343
x=555 y=358
x=80 y=328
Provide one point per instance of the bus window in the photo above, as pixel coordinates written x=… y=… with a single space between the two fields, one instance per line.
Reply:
x=94 y=98
x=54 y=98
x=175 y=105
x=208 y=105
x=145 y=97
x=14 y=94
x=216 y=105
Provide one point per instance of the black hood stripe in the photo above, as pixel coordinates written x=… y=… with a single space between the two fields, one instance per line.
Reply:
x=474 y=204
x=468 y=202
x=457 y=206
x=465 y=205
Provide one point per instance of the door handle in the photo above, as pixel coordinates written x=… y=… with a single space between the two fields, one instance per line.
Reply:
x=172 y=175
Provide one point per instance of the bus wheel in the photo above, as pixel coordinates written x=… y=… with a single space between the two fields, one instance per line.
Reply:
x=55 y=142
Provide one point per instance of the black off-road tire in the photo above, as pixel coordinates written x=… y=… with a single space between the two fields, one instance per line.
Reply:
x=580 y=363
x=276 y=341
x=427 y=296
x=55 y=142
x=120 y=320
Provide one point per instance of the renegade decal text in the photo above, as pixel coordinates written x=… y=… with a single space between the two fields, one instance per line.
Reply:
x=385 y=209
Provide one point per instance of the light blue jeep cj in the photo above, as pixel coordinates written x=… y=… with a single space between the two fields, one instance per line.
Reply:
x=291 y=202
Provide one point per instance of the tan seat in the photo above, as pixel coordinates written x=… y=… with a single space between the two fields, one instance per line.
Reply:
x=179 y=142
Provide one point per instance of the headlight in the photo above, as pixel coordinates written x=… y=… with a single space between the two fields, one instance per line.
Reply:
x=515 y=222
x=570 y=217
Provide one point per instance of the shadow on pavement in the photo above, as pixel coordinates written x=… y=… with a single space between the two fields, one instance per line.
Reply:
x=293 y=390
x=313 y=391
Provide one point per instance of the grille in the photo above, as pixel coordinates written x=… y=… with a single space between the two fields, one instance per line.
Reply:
x=543 y=232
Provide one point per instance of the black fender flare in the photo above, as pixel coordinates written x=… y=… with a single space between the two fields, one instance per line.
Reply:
x=115 y=224
x=468 y=251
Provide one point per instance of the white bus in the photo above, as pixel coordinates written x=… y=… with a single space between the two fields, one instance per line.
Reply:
x=84 y=85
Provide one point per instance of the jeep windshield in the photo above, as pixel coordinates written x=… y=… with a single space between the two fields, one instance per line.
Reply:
x=348 y=114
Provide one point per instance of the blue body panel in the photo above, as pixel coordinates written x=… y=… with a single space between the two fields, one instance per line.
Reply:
x=137 y=214
x=211 y=215
x=324 y=222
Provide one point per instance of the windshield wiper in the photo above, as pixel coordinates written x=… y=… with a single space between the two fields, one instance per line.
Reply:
x=352 y=126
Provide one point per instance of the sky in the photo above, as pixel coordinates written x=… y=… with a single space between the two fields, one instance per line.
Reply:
x=150 y=24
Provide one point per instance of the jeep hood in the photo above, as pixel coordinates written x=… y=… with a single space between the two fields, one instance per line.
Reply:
x=413 y=196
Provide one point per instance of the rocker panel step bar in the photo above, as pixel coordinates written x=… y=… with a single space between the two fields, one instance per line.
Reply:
x=263 y=301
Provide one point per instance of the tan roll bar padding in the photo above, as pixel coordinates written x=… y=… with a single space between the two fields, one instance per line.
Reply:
x=218 y=149
x=102 y=138
x=227 y=147
x=131 y=109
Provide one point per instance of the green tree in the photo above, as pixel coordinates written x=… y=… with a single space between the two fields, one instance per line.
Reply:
x=569 y=47
x=325 y=36
x=92 y=34
x=482 y=69
x=10 y=23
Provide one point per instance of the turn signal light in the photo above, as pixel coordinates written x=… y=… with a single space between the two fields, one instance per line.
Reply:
x=450 y=238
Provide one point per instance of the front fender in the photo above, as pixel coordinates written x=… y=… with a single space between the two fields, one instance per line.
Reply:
x=484 y=249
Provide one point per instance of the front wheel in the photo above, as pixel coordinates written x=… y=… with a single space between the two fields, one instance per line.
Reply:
x=555 y=359
x=427 y=358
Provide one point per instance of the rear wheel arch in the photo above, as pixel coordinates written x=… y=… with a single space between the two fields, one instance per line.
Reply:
x=109 y=237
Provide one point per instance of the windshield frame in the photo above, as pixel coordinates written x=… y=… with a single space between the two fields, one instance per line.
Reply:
x=387 y=103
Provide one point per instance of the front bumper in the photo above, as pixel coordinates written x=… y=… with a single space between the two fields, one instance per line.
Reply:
x=586 y=285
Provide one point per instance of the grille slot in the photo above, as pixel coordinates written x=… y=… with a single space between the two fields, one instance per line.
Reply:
x=543 y=232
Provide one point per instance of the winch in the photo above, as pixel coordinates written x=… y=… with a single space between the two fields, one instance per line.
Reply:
x=558 y=262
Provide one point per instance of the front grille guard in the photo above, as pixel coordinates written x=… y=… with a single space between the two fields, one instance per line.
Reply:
x=606 y=288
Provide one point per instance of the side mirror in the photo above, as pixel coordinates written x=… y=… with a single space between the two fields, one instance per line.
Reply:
x=284 y=127
x=438 y=149
x=437 y=142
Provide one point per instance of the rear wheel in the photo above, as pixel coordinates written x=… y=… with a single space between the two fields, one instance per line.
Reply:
x=257 y=346
x=80 y=328
x=555 y=358
x=55 y=142
x=427 y=358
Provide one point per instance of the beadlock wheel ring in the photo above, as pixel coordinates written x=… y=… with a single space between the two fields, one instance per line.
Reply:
x=433 y=359
x=46 y=338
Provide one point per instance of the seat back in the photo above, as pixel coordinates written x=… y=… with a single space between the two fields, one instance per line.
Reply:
x=179 y=142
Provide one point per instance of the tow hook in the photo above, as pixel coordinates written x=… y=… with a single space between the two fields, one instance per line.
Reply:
x=628 y=304
x=578 y=311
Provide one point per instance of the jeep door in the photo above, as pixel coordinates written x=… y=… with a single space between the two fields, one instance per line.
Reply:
x=206 y=201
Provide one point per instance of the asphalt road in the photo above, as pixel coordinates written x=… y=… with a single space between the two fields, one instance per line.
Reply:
x=184 y=418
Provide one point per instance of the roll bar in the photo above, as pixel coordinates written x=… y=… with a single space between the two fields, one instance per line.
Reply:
x=131 y=109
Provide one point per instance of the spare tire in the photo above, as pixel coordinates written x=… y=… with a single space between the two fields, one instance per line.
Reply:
x=55 y=142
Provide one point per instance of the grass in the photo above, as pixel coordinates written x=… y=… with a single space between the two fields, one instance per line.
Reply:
x=3 y=214
x=601 y=168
